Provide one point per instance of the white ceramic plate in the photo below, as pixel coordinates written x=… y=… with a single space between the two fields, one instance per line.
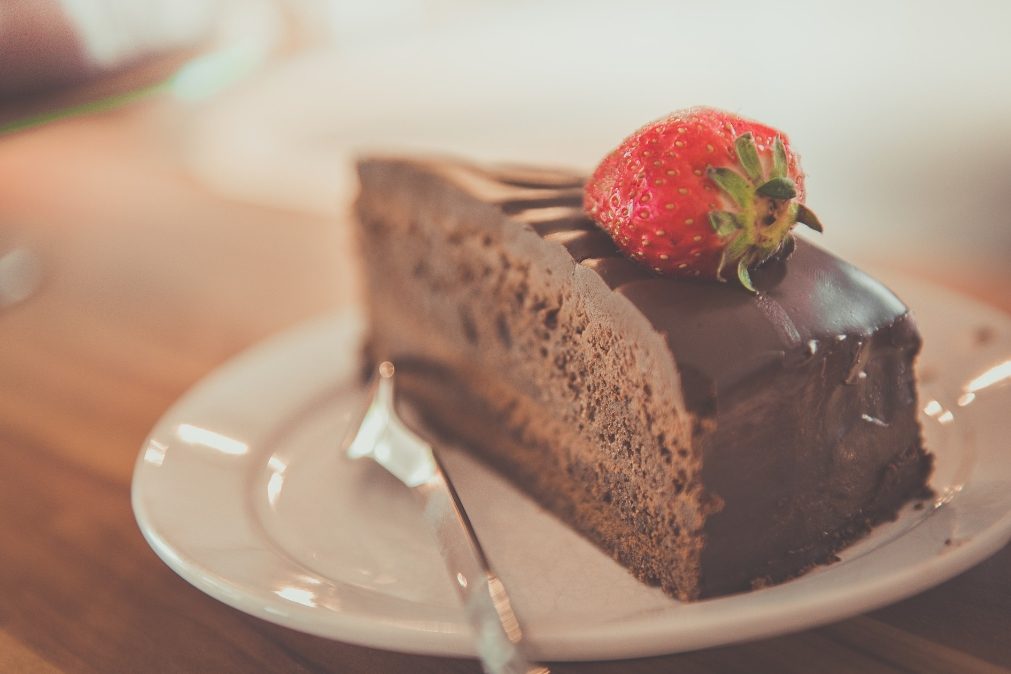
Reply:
x=241 y=490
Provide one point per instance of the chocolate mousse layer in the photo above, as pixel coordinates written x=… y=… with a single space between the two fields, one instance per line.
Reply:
x=710 y=439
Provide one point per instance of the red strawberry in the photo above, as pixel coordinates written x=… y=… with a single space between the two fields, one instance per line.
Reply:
x=699 y=191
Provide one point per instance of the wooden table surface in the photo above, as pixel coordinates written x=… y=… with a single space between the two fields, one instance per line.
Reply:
x=151 y=282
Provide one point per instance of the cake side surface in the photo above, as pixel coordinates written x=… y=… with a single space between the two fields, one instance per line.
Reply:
x=510 y=346
x=710 y=440
x=855 y=458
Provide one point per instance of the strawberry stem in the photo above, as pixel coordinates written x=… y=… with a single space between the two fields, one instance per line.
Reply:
x=806 y=216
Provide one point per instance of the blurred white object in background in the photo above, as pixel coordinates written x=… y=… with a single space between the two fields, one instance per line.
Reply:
x=20 y=275
x=245 y=34
x=902 y=114
x=346 y=24
x=115 y=32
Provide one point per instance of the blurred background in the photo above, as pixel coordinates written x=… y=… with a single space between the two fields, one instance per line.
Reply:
x=148 y=117
x=176 y=178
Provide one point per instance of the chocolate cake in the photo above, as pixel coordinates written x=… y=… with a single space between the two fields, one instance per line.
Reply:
x=709 y=439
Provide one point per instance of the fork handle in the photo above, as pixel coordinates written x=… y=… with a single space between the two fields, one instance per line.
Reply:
x=499 y=639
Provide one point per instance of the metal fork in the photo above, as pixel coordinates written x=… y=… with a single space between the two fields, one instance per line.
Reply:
x=383 y=437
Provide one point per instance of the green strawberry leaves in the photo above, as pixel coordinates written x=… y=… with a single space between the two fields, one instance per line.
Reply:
x=732 y=183
x=777 y=188
x=747 y=154
x=724 y=223
x=778 y=159
x=744 y=276
x=749 y=239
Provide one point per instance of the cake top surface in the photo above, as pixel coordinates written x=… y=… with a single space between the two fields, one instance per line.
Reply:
x=720 y=334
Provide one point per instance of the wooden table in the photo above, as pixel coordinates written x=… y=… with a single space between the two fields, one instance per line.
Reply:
x=150 y=282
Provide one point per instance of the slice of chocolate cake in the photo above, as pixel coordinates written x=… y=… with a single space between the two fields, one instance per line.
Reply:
x=710 y=439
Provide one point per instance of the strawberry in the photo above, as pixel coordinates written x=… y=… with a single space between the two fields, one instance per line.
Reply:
x=700 y=191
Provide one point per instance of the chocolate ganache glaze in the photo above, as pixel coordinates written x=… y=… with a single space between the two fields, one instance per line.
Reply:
x=802 y=395
x=746 y=334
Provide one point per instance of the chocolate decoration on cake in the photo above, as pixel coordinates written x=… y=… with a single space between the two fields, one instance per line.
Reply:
x=709 y=439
